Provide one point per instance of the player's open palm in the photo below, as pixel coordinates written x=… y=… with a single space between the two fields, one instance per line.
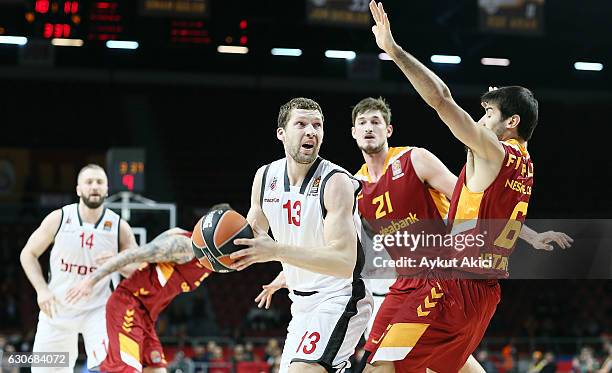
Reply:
x=265 y=297
x=47 y=302
x=544 y=240
x=79 y=291
x=382 y=28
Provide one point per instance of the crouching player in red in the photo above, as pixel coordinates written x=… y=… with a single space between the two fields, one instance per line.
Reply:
x=169 y=268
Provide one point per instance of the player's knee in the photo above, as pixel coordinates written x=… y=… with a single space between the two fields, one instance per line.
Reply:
x=306 y=368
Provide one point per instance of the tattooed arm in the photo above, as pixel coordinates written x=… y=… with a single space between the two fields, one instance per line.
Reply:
x=169 y=246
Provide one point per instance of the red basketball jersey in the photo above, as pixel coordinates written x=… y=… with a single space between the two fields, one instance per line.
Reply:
x=498 y=212
x=399 y=199
x=156 y=284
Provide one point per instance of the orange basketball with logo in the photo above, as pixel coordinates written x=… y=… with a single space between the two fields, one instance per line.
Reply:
x=213 y=237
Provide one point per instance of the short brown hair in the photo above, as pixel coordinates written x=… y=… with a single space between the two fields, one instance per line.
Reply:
x=296 y=103
x=90 y=166
x=371 y=103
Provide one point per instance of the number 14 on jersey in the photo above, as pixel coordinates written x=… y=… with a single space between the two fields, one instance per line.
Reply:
x=86 y=241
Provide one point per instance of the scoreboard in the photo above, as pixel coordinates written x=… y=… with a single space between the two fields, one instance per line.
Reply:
x=126 y=169
x=153 y=22
x=159 y=24
x=53 y=19
x=106 y=20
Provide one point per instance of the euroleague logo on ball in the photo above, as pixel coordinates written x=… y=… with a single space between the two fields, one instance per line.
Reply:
x=207 y=223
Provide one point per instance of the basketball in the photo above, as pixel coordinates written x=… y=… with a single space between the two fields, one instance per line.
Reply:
x=213 y=238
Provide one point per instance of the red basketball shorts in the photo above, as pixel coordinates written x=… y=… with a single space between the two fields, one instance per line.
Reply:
x=133 y=342
x=436 y=326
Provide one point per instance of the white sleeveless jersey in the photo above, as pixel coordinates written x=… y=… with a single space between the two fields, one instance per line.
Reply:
x=296 y=215
x=72 y=257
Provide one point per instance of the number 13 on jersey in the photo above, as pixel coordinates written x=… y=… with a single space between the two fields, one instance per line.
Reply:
x=293 y=212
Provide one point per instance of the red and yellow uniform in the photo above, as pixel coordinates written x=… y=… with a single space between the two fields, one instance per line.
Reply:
x=500 y=210
x=447 y=318
x=399 y=200
x=133 y=308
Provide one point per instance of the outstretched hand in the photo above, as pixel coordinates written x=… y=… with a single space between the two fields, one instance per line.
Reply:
x=47 y=302
x=542 y=241
x=265 y=297
x=79 y=291
x=382 y=28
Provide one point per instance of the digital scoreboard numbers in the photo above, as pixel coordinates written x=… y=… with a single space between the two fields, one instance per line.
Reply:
x=354 y=13
x=52 y=19
x=126 y=169
x=177 y=21
x=106 y=20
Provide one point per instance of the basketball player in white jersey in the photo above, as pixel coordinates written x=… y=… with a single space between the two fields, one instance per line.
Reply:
x=82 y=234
x=310 y=205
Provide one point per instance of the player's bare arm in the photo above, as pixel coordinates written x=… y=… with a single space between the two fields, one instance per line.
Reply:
x=167 y=247
x=434 y=91
x=337 y=258
x=256 y=216
x=37 y=244
x=127 y=241
x=433 y=172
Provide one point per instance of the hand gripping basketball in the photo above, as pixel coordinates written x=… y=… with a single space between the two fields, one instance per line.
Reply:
x=213 y=238
x=260 y=249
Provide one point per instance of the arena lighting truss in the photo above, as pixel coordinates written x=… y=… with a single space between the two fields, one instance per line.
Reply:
x=290 y=52
x=14 y=40
x=491 y=61
x=345 y=54
x=121 y=44
x=61 y=42
x=443 y=58
x=588 y=66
